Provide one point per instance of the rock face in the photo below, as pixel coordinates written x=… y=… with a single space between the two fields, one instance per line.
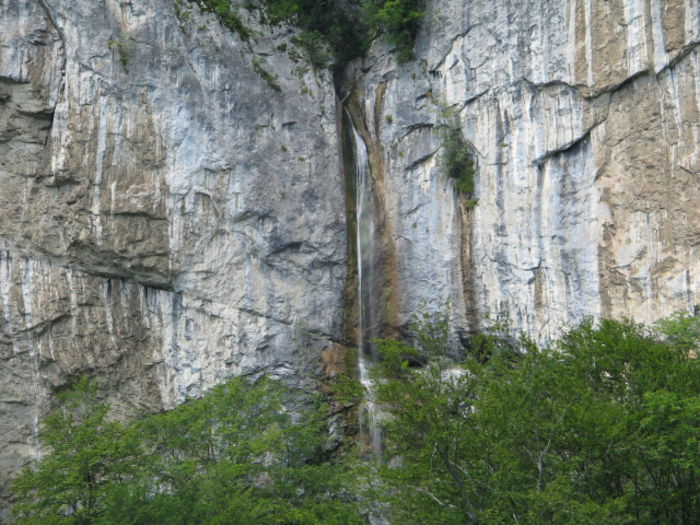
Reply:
x=169 y=208
x=584 y=118
x=173 y=209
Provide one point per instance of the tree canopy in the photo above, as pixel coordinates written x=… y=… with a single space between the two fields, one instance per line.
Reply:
x=234 y=456
x=603 y=427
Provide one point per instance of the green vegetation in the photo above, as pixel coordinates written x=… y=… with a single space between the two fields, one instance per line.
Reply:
x=603 y=428
x=458 y=162
x=266 y=75
x=398 y=20
x=121 y=45
x=224 y=11
x=315 y=48
x=330 y=34
x=348 y=36
x=234 y=456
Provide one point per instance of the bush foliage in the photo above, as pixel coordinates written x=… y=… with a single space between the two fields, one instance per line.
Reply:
x=349 y=36
x=458 y=160
x=332 y=34
x=603 y=428
x=234 y=456
x=399 y=20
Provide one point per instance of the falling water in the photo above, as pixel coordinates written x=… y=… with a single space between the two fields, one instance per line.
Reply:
x=370 y=429
x=369 y=415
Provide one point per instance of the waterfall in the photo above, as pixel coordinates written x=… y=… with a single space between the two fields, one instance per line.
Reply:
x=367 y=298
x=369 y=306
x=369 y=415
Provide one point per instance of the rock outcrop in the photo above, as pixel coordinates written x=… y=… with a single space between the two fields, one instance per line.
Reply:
x=169 y=209
x=173 y=205
x=584 y=118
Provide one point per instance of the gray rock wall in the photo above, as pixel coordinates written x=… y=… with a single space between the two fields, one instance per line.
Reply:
x=168 y=217
x=584 y=117
x=172 y=208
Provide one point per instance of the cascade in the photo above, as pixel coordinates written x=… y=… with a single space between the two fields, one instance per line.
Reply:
x=370 y=431
x=368 y=302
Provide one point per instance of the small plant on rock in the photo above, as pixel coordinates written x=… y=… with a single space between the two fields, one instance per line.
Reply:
x=458 y=162
x=226 y=15
x=266 y=75
x=122 y=47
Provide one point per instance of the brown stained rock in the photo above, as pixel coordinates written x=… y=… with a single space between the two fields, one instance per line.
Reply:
x=582 y=70
x=609 y=44
x=335 y=361
x=673 y=23
x=649 y=258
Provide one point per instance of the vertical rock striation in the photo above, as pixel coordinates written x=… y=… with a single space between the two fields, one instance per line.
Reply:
x=169 y=209
x=584 y=116
x=172 y=211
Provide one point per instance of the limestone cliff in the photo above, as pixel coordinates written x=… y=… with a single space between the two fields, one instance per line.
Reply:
x=584 y=118
x=173 y=205
x=169 y=209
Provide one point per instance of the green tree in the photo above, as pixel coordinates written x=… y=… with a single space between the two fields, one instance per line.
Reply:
x=399 y=20
x=346 y=32
x=88 y=455
x=330 y=34
x=602 y=428
x=236 y=455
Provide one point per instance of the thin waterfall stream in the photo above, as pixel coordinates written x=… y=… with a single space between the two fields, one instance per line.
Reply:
x=369 y=302
x=370 y=429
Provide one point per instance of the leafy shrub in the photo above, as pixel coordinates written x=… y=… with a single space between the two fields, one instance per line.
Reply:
x=458 y=161
x=123 y=47
x=315 y=48
x=330 y=35
x=399 y=20
x=234 y=456
x=347 y=34
x=603 y=429
x=279 y=10
x=326 y=24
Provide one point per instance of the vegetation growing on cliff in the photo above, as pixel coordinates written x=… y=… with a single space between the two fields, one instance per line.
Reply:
x=398 y=20
x=458 y=162
x=224 y=11
x=348 y=35
x=268 y=77
x=122 y=47
x=332 y=34
x=329 y=34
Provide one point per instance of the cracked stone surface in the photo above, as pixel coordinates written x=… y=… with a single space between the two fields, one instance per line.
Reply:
x=583 y=115
x=167 y=218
